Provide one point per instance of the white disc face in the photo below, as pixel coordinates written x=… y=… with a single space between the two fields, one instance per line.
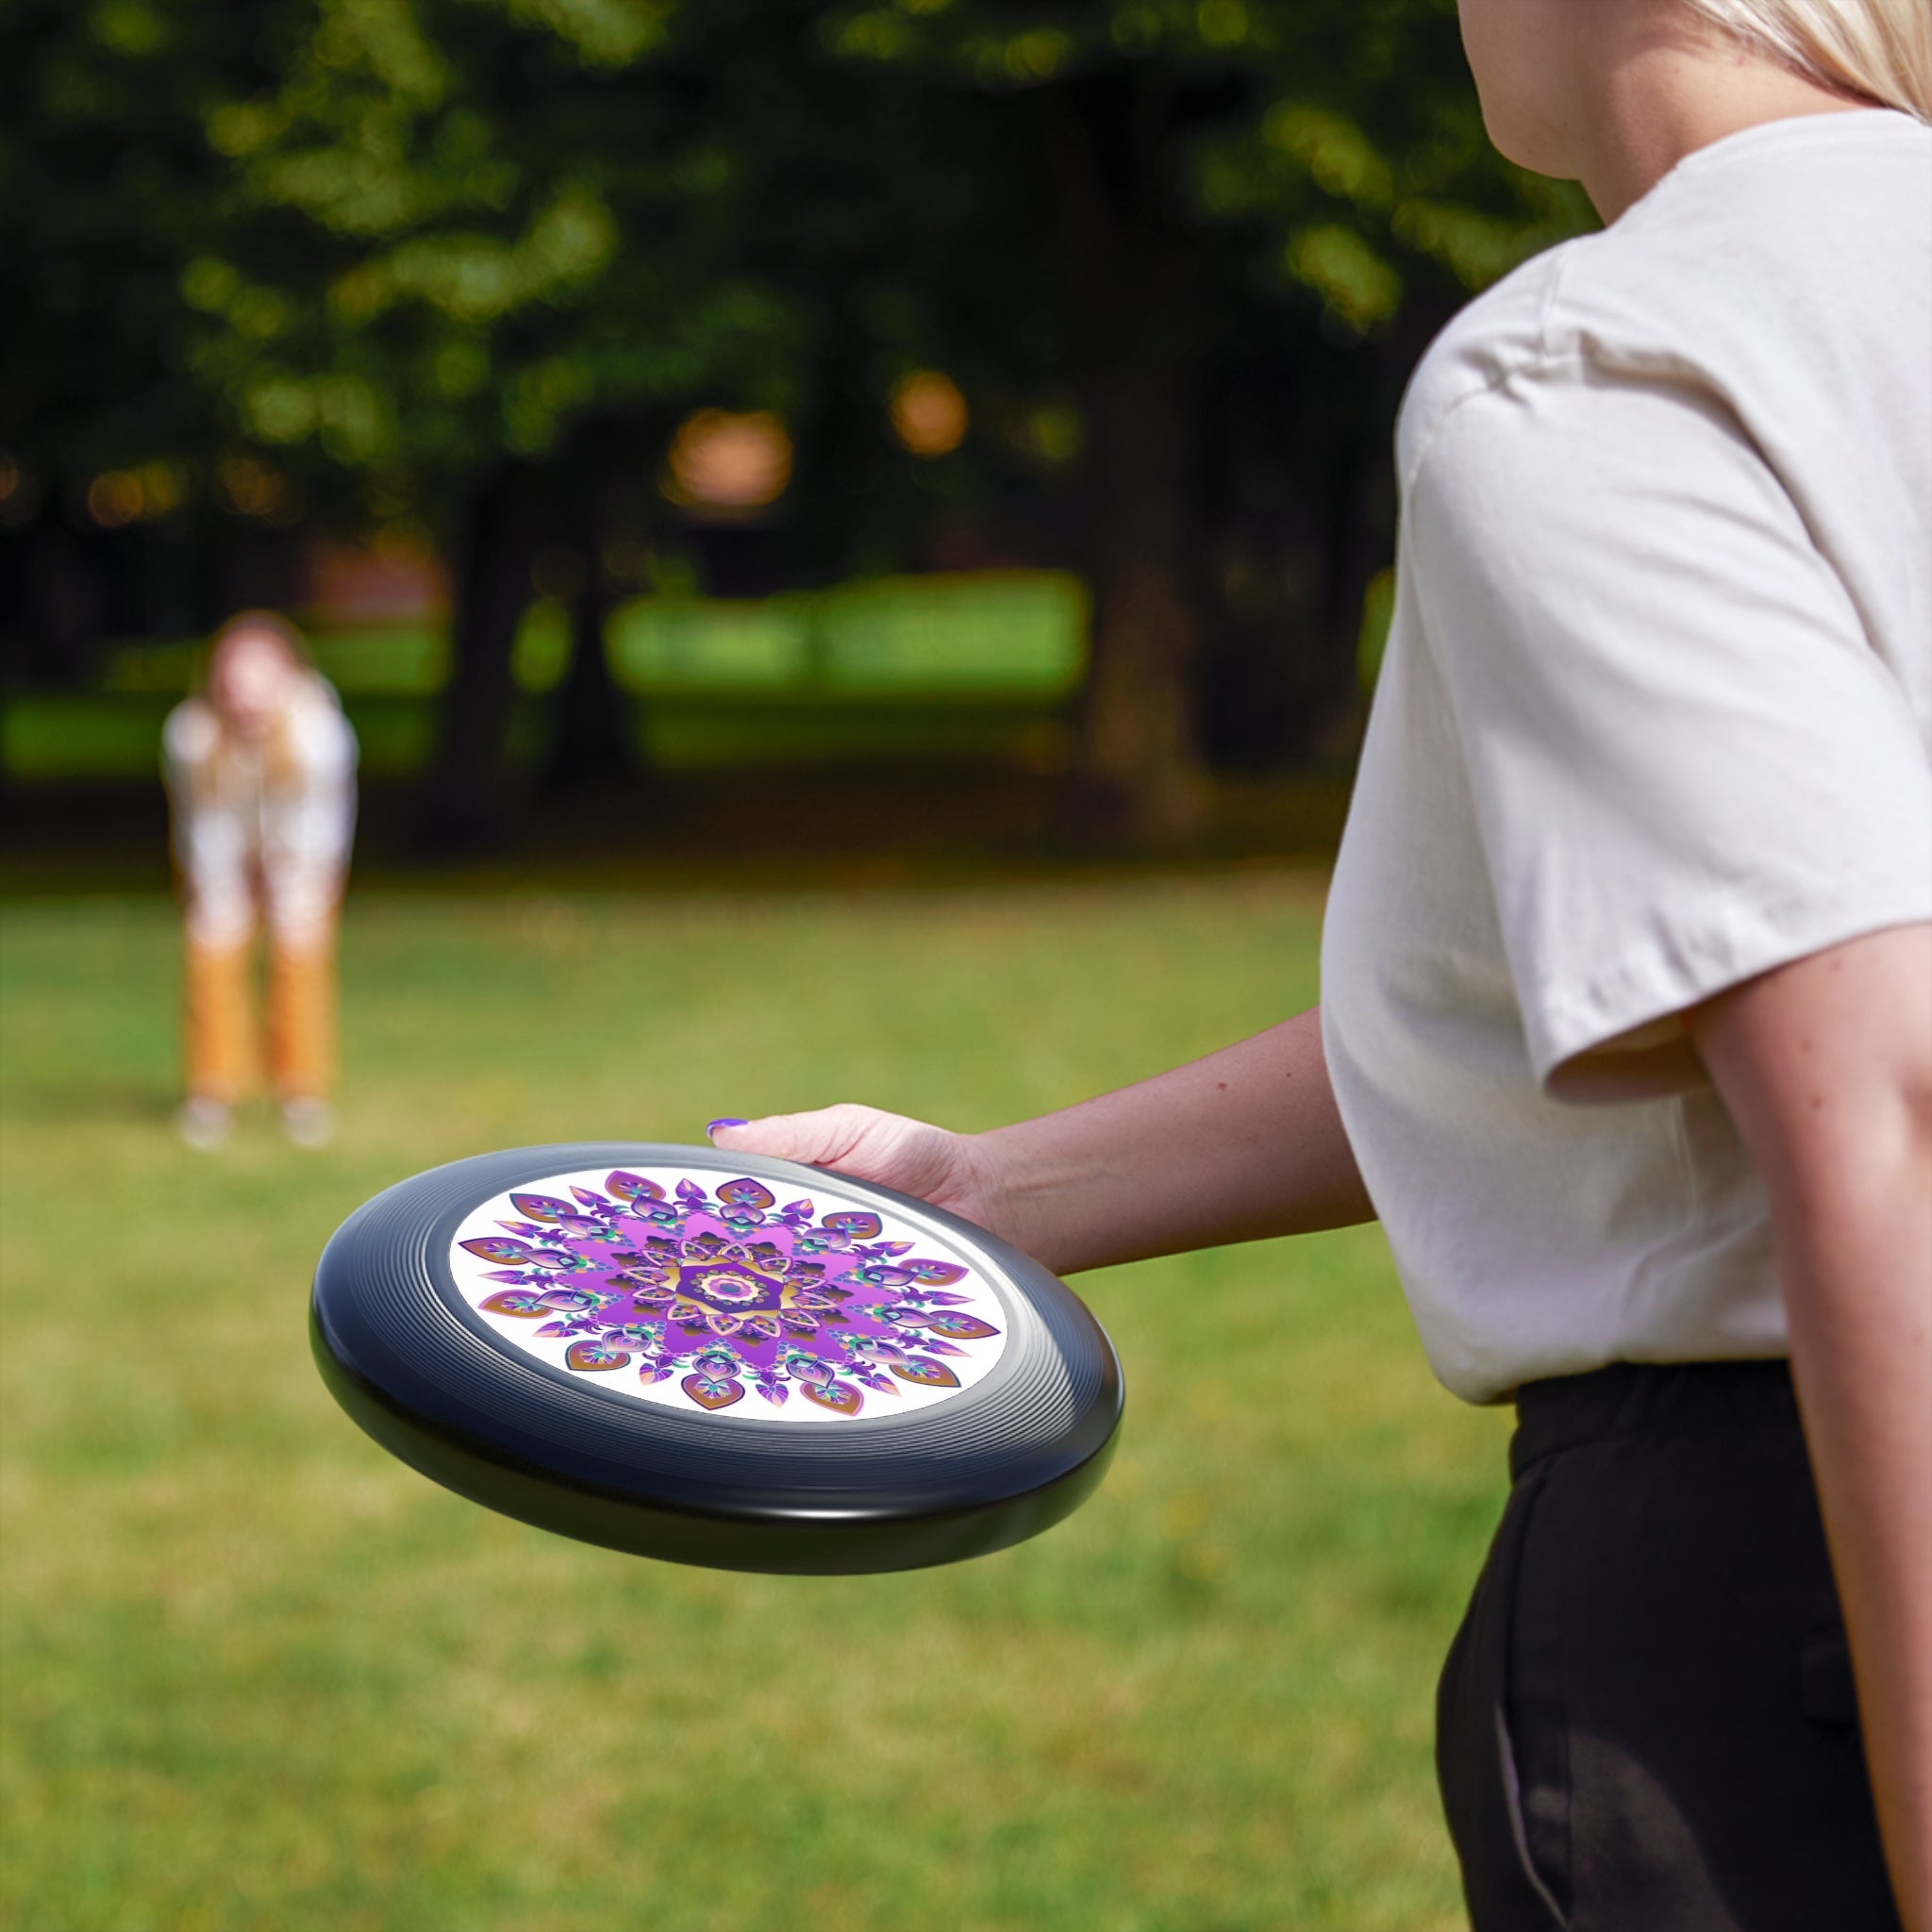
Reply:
x=697 y=1292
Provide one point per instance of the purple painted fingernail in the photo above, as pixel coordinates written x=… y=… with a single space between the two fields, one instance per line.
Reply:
x=716 y=1124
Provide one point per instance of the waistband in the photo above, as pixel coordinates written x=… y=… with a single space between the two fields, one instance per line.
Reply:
x=1637 y=1398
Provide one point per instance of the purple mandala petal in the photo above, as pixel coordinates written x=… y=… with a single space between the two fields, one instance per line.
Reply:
x=851 y=1221
x=527 y=1308
x=541 y=1208
x=957 y=1325
x=710 y=1392
x=634 y=1335
x=633 y=1187
x=842 y=1397
x=593 y=1357
x=497 y=1248
x=926 y=1373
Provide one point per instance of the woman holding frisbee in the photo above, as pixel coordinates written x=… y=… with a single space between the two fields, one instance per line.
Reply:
x=1627 y=1030
x=260 y=767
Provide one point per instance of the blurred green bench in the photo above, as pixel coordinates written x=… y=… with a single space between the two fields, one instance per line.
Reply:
x=976 y=666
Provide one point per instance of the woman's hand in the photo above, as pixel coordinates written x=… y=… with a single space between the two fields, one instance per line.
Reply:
x=1237 y=1147
x=949 y=1169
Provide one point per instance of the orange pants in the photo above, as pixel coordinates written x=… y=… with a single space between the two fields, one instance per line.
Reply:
x=222 y=1045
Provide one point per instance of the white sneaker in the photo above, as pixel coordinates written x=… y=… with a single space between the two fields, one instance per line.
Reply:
x=204 y=1124
x=309 y=1122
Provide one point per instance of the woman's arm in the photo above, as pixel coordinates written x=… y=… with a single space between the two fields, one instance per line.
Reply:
x=1244 y=1144
x=1826 y=1068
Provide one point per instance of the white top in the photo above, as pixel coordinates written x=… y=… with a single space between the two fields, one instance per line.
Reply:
x=1655 y=716
x=271 y=820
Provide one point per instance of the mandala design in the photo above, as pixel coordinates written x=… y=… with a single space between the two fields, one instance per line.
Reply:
x=706 y=1297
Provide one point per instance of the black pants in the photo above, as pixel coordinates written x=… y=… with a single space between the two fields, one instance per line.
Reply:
x=1647 y=1721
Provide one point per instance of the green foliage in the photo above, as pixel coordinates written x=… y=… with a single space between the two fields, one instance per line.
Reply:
x=499 y=239
x=1347 y=133
x=106 y=189
x=256 y=1674
x=396 y=239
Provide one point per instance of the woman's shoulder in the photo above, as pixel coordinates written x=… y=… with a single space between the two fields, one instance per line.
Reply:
x=1756 y=265
x=1493 y=338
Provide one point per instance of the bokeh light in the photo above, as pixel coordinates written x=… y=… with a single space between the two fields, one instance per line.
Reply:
x=726 y=464
x=929 y=415
x=114 y=499
x=250 y=489
x=1050 y=433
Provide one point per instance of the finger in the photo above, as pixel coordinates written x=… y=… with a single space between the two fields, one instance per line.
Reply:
x=816 y=1139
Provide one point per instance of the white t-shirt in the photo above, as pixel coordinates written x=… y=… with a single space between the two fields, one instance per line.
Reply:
x=1655 y=716
x=251 y=826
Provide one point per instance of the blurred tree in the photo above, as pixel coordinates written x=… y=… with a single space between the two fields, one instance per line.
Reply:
x=1234 y=195
x=469 y=262
x=513 y=238
x=531 y=237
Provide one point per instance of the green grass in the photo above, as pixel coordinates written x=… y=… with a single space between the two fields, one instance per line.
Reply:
x=259 y=1675
x=982 y=665
x=70 y=735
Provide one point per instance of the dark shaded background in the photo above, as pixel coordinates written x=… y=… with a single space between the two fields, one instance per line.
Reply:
x=391 y=314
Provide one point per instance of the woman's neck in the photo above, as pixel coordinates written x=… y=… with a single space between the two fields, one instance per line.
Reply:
x=1656 y=97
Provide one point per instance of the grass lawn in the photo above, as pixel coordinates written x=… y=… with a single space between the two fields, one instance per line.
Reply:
x=259 y=1675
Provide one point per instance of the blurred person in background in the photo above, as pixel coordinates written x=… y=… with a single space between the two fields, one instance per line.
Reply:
x=1627 y=1021
x=260 y=768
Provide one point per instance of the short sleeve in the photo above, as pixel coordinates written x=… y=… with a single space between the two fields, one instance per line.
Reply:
x=1689 y=763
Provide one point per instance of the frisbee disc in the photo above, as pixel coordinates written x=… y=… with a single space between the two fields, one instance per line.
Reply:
x=715 y=1358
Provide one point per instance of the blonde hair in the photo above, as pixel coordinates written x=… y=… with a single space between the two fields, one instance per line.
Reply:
x=1879 y=50
x=257 y=623
x=280 y=763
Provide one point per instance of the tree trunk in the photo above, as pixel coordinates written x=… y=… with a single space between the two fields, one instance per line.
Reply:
x=1133 y=305
x=590 y=744
x=594 y=742
x=467 y=797
x=1139 y=739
